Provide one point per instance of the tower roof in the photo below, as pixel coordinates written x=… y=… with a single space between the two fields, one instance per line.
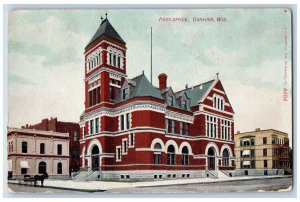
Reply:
x=107 y=29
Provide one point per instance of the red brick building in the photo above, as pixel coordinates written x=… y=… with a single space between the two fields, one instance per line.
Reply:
x=72 y=129
x=132 y=129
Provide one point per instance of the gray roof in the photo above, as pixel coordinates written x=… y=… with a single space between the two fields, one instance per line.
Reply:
x=107 y=29
x=144 y=88
x=195 y=93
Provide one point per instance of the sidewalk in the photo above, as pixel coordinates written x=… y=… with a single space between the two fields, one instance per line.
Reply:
x=98 y=186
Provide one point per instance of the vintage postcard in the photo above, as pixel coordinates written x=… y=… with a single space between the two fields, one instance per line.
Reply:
x=149 y=101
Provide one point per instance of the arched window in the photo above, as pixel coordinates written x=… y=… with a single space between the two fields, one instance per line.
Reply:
x=171 y=155
x=157 y=154
x=59 y=168
x=24 y=147
x=59 y=149
x=97 y=61
x=42 y=167
x=225 y=160
x=114 y=60
x=185 y=156
x=100 y=58
x=42 y=148
x=119 y=61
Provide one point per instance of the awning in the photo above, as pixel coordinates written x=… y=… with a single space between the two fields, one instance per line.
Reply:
x=246 y=153
x=9 y=165
x=246 y=163
x=24 y=164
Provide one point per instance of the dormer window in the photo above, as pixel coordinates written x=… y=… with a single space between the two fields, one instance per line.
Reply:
x=170 y=100
x=184 y=104
x=125 y=93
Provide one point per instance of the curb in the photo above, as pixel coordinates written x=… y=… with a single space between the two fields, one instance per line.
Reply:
x=61 y=188
x=230 y=180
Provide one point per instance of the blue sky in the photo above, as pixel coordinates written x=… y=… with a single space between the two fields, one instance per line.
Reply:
x=46 y=63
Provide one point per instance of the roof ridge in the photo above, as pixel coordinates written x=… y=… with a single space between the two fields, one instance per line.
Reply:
x=195 y=86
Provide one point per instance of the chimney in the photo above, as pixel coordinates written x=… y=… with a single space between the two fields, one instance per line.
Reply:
x=186 y=86
x=257 y=129
x=238 y=132
x=162 y=81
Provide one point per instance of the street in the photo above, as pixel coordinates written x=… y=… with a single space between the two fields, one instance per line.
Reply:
x=235 y=186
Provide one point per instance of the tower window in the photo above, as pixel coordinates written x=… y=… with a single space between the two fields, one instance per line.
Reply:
x=114 y=60
x=119 y=62
x=112 y=92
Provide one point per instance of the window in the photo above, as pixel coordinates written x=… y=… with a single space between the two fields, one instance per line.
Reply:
x=225 y=160
x=118 y=155
x=187 y=126
x=59 y=168
x=94 y=97
x=122 y=122
x=253 y=164
x=114 y=60
x=252 y=141
x=241 y=143
x=125 y=93
x=42 y=148
x=112 y=92
x=124 y=146
x=91 y=127
x=59 y=149
x=185 y=156
x=90 y=98
x=119 y=61
x=265 y=163
x=273 y=140
x=173 y=126
x=23 y=171
x=157 y=155
x=131 y=141
x=98 y=94
x=211 y=126
x=181 y=128
x=168 y=125
x=218 y=102
x=170 y=100
x=75 y=136
x=225 y=130
x=110 y=58
x=24 y=147
x=127 y=121
x=184 y=104
x=252 y=153
x=265 y=140
x=157 y=158
x=42 y=167
x=97 y=125
x=171 y=155
x=265 y=152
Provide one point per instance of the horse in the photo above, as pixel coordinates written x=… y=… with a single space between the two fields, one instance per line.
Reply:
x=40 y=177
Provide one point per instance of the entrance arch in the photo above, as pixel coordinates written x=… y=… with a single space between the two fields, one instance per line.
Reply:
x=95 y=157
x=211 y=158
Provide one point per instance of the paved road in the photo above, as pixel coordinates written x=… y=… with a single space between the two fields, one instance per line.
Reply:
x=237 y=186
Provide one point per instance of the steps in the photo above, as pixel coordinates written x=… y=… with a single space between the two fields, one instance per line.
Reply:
x=87 y=176
x=212 y=174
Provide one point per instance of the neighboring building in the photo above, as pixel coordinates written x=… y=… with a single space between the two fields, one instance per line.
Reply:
x=32 y=152
x=64 y=127
x=266 y=151
x=132 y=129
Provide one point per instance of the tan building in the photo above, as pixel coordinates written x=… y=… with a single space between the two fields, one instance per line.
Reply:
x=32 y=152
x=262 y=152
